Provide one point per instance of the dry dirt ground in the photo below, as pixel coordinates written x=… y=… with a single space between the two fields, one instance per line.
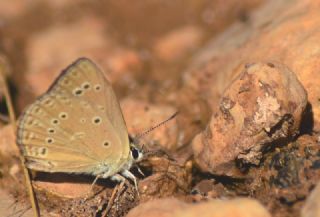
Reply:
x=244 y=78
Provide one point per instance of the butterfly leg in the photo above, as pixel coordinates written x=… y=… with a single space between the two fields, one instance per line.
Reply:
x=87 y=196
x=129 y=175
x=118 y=178
x=94 y=182
x=139 y=170
x=116 y=190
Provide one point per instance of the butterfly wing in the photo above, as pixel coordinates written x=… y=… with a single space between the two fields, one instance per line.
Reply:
x=76 y=126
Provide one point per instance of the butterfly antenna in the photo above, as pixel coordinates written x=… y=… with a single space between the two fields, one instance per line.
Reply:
x=156 y=126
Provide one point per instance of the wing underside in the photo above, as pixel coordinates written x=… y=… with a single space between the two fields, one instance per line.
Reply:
x=76 y=126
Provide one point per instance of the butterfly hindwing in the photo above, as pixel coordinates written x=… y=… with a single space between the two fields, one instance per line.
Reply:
x=76 y=126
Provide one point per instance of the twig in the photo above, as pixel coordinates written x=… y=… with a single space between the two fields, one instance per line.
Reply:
x=3 y=68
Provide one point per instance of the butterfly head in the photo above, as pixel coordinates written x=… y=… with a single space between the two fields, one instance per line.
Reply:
x=136 y=152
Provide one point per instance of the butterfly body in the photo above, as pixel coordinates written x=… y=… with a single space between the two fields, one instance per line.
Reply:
x=77 y=126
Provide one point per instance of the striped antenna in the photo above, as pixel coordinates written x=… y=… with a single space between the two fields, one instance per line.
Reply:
x=156 y=126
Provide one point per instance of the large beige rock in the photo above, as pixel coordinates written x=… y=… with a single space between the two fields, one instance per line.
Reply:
x=216 y=208
x=262 y=105
x=285 y=31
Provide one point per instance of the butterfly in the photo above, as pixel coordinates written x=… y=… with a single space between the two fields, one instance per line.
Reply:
x=77 y=127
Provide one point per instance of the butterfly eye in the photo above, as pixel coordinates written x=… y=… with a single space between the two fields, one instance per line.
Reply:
x=135 y=153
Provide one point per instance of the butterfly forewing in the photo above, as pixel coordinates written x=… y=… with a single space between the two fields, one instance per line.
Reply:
x=109 y=104
x=76 y=126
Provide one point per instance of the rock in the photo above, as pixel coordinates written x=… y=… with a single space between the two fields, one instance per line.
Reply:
x=312 y=206
x=261 y=106
x=171 y=207
x=141 y=116
x=208 y=189
x=264 y=37
x=63 y=185
x=176 y=44
x=157 y=208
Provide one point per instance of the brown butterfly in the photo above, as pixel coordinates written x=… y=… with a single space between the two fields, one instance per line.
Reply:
x=77 y=127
